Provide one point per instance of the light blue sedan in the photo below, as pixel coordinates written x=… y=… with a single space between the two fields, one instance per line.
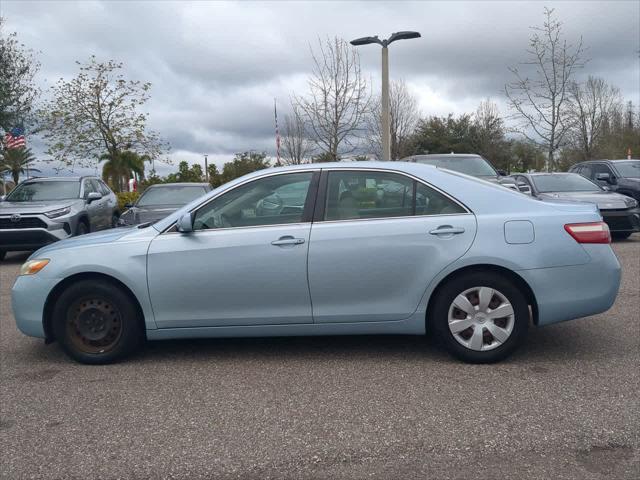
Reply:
x=327 y=249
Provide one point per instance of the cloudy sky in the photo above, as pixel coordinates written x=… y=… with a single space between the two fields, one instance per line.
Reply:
x=216 y=67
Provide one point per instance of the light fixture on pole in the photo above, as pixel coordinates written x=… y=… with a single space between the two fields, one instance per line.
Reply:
x=206 y=167
x=386 y=130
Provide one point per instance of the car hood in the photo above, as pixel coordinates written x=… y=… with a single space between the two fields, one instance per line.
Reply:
x=154 y=213
x=604 y=200
x=97 y=238
x=23 y=208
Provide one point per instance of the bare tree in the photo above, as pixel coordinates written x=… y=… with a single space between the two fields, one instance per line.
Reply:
x=296 y=144
x=590 y=106
x=338 y=100
x=540 y=101
x=404 y=113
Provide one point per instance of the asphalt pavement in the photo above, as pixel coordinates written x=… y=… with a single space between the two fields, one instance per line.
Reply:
x=566 y=405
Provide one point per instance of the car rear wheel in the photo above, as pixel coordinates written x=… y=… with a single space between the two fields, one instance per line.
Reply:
x=96 y=322
x=480 y=317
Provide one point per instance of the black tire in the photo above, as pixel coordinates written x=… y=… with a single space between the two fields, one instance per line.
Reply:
x=96 y=322
x=82 y=228
x=439 y=316
x=620 y=235
x=114 y=220
x=3 y=254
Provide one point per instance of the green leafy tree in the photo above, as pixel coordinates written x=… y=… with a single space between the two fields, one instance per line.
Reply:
x=443 y=135
x=525 y=156
x=16 y=161
x=215 y=178
x=119 y=168
x=243 y=163
x=18 y=92
x=324 y=157
x=98 y=112
x=186 y=173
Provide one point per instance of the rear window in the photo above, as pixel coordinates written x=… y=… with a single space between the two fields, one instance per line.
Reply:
x=178 y=195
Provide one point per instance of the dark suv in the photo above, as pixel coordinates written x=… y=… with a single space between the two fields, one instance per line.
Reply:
x=40 y=211
x=622 y=176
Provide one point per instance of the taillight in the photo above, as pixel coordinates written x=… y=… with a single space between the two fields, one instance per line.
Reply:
x=596 y=232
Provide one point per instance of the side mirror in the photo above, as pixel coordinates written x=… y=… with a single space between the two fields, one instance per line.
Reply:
x=502 y=173
x=2 y=198
x=128 y=205
x=526 y=189
x=606 y=188
x=185 y=223
x=93 y=196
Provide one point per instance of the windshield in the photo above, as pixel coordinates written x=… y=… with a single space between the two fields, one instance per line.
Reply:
x=564 y=183
x=474 y=166
x=178 y=195
x=630 y=169
x=35 y=191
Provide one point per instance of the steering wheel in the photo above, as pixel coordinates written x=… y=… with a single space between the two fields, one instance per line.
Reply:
x=271 y=205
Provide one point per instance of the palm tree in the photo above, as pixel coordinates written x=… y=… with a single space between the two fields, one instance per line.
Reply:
x=16 y=161
x=120 y=167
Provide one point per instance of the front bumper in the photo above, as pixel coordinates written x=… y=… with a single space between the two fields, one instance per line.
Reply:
x=565 y=293
x=627 y=220
x=28 y=298
x=33 y=231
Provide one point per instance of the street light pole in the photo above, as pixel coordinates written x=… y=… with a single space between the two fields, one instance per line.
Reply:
x=385 y=120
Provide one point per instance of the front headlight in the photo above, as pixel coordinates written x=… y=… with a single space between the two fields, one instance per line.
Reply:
x=58 y=212
x=631 y=202
x=31 y=267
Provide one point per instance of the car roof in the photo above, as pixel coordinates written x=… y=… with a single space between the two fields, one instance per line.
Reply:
x=610 y=160
x=444 y=155
x=179 y=184
x=72 y=178
x=540 y=174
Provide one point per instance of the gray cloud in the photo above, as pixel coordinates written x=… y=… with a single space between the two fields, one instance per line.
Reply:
x=216 y=67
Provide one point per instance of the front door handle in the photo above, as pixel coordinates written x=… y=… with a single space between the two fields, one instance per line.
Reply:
x=447 y=230
x=288 y=240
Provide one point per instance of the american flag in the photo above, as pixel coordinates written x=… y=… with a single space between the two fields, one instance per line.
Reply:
x=15 y=138
x=275 y=114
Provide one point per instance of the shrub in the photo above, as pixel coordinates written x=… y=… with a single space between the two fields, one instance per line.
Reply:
x=126 y=197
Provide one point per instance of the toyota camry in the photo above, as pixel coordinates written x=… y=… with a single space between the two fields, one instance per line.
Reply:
x=327 y=249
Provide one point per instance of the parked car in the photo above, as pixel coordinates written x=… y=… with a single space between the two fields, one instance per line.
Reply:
x=621 y=213
x=467 y=163
x=374 y=248
x=158 y=201
x=44 y=210
x=622 y=176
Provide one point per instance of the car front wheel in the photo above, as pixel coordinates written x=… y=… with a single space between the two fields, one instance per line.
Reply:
x=96 y=322
x=480 y=317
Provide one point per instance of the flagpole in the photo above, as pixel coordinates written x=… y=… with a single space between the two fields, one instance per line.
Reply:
x=275 y=114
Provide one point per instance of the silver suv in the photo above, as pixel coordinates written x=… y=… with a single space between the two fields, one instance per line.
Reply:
x=44 y=210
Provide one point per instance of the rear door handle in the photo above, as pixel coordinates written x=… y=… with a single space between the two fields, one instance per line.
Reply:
x=447 y=230
x=287 y=240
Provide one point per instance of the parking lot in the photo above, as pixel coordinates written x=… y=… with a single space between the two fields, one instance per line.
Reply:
x=566 y=405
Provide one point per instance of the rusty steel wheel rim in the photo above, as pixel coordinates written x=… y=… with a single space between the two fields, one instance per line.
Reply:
x=94 y=325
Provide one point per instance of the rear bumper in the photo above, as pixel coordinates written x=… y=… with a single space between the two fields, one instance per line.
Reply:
x=622 y=220
x=565 y=293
